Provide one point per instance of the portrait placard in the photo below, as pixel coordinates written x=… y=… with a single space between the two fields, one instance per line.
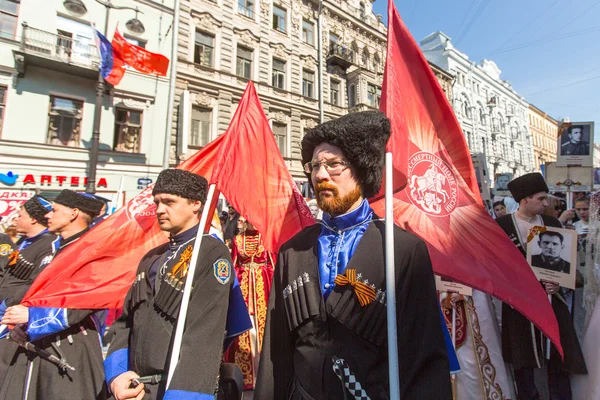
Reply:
x=552 y=254
x=500 y=184
x=448 y=285
x=575 y=145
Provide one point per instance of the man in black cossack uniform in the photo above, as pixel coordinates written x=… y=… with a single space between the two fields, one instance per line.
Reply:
x=137 y=362
x=68 y=334
x=32 y=253
x=326 y=332
x=522 y=343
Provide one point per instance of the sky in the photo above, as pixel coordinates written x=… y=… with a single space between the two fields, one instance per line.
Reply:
x=547 y=49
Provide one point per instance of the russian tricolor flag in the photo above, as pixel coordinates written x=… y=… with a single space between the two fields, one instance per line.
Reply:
x=112 y=66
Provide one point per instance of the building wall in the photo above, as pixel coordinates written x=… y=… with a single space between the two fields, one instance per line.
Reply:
x=544 y=132
x=217 y=88
x=35 y=65
x=493 y=117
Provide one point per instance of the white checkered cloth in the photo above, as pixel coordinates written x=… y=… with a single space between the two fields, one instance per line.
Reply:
x=342 y=370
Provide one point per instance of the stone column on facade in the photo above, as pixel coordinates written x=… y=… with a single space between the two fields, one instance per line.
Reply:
x=225 y=110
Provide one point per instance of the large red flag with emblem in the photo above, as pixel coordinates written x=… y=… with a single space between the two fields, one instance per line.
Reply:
x=98 y=269
x=441 y=202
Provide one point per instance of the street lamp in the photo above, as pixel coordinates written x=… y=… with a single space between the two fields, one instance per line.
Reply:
x=135 y=25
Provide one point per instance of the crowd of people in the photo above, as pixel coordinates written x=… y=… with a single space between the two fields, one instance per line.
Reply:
x=306 y=323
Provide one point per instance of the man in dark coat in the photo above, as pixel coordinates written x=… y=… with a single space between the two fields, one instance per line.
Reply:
x=138 y=357
x=522 y=343
x=551 y=244
x=33 y=252
x=327 y=308
x=6 y=247
x=68 y=334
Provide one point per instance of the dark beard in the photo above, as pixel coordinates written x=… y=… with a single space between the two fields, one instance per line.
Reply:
x=336 y=205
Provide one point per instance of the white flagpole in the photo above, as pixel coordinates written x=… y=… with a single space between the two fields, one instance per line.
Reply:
x=185 y=301
x=390 y=278
x=115 y=200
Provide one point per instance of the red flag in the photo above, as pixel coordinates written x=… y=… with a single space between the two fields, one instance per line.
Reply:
x=140 y=58
x=441 y=201
x=97 y=270
x=245 y=163
x=254 y=178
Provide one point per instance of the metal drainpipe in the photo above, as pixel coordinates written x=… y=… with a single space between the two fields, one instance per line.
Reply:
x=172 y=81
x=320 y=49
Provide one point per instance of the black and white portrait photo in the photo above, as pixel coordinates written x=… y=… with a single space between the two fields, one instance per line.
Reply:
x=552 y=253
x=575 y=145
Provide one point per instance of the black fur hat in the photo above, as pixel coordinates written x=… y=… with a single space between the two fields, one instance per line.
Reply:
x=82 y=201
x=362 y=137
x=527 y=185
x=37 y=207
x=181 y=183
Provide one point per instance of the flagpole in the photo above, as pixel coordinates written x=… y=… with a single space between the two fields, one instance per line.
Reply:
x=390 y=281
x=185 y=301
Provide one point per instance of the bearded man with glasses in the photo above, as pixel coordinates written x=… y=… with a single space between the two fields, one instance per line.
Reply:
x=325 y=336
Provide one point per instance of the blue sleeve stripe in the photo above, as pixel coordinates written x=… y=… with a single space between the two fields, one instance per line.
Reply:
x=46 y=321
x=184 y=395
x=115 y=364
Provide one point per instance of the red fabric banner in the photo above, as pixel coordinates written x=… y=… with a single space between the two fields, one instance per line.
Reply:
x=245 y=164
x=253 y=176
x=441 y=202
x=140 y=58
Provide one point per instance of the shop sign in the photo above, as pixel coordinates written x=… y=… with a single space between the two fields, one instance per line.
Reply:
x=11 y=179
x=11 y=201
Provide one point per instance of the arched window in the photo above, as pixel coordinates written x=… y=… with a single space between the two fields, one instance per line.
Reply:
x=365 y=57
x=363 y=10
x=354 y=48
x=376 y=62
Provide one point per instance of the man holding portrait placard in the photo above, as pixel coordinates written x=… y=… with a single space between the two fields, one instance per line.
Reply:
x=522 y=343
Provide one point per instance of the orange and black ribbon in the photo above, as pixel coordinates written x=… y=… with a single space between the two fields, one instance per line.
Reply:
x=364 y=292
x=13 y=257
x=181 y=267
x=536 y=230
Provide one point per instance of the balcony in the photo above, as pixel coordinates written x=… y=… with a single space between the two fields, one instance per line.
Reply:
x=56 y=52
x=340 y=55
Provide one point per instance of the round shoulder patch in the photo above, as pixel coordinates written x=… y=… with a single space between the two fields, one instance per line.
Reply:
x=222 y=270
x=5 y=249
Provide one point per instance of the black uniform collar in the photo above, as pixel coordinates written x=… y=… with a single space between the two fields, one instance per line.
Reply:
x=65 y=242
x=185 y=236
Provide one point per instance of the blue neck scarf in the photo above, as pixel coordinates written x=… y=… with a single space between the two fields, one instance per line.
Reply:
x=337 y=242
x=27 y=241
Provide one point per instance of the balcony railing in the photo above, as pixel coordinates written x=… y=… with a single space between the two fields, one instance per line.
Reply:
x=340 y=54
x=58 y=47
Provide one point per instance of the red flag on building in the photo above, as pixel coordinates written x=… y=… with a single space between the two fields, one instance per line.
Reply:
x=138 y=57
x=245 y=163
x=441 y=201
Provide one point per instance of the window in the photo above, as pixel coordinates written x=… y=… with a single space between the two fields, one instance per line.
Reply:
x=246 y=8
x=363 y=10
x=9 y=10
x=374 y=95
x=244 y=63
x=128 y=130
x=308 y=29
x=203 y=49
x=334 y=92
x=308 y=82
x=135 y=41
x=352 y=96
x=2 y=105
x=334 y=38
x=200 y=127
x=280 y=132
x=278 y=74
x=75 y=41
x=64 y=127
x=279 y=15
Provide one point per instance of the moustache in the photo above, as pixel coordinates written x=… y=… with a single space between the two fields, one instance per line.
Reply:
x=326 y=186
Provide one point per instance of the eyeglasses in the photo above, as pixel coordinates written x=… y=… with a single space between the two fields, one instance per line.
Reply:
x=333 y=167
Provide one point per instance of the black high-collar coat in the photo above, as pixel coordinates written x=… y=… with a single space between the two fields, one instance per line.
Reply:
x=304 y=331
